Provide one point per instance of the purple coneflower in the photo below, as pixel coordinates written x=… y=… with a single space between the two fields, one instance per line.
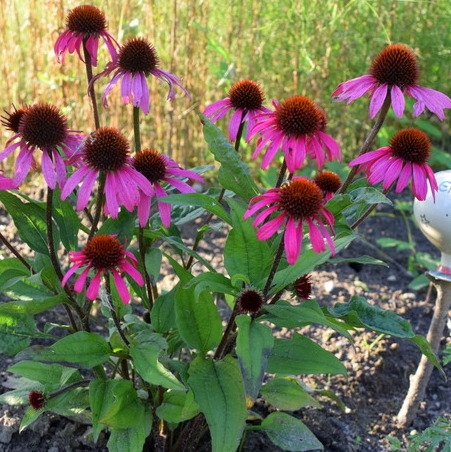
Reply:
x=394 y=72
x=137 y=59
x=106 y=151
x=297 y=127
x=329 y=182
x=104 y=254
x=84 y=24
x=43 y=127
x=246 y=99
x=157 y=169
x=403 y=160
x=296 y=202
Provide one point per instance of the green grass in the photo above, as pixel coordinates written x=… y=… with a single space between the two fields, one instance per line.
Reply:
x=291 y=47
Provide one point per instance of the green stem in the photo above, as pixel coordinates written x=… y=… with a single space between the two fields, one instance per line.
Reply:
x=91 y=89
x=273 y=268
x=137 y=134
x=113 y=312
x=369 y=140
x=15 y=252
x=99 y=204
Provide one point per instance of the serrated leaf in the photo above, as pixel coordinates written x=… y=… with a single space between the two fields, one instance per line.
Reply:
x=145 y=359
x=219 y=390
x=253 y=346
x=287 y=394
x=233 y=174
x=284 y=314
x=290 y=433
x=178 y=406
x=16 y=331
x=197 y=319
x=300 y=355
x=123 y=226
x=369 y=195
x=201 y=200
x=244 y=253
x=85 y=349
x=30 y=220
x=44 y=373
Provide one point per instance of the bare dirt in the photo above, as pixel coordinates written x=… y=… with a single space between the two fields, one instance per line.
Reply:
x=378 y=373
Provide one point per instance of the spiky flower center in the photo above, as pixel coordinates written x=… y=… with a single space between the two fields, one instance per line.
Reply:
x=104 y=252
x=301 y=198
x=36 y=399
x=12 y=120
x=303 y=287
x=86 y=19
x=250 y=300
x=138 y=55
x=246 y=95
x=411 y=145
x=151 y=164
x=327 y=181
x=298 y=115
x=395 y=65
x=106 y=149
x=43 y=125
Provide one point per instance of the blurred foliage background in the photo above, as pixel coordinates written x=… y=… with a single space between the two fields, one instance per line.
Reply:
x=290 y=46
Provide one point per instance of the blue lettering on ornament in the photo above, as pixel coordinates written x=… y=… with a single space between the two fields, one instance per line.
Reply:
x=445 y=186
x=424 y=219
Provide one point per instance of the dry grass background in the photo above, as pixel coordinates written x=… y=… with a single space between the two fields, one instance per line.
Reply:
x=290 y=46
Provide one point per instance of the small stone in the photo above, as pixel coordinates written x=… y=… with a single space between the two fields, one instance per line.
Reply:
x=329 y=286
x=391 y=278
x=394 y=346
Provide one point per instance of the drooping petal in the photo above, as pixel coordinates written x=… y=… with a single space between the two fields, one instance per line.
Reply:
x=370 y=156
x=434 y=100
x=144 y=209
x=163 y=207
x=94 y=286
x=377 y=99
x=397 y=101
x=419 y=185
x=73 y=181
x=217 y=106
x=292 y=241
x=121 y=287
x=270 y=228
x=86 y=189
x=81 y=281
x=47 y=170
x=404 y=177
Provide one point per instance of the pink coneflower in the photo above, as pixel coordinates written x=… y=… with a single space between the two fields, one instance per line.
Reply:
x=137 y=59
x=43 y=127
x=84 y=24
x=329 y=182
x=297 y=127
x=298 y=201
x=106 y=151
x=246 y=99
x=6 y=183
x=104 y=254
x=403 y=160
x=158 y=168
x=394 y=72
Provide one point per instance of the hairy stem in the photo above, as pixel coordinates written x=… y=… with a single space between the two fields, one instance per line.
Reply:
x=91 y=90
x=13 y=250
x=273 y=268
x=99 y=204
x=136 y=131
x=369 y=140
x=113 y=312
x=369 y=210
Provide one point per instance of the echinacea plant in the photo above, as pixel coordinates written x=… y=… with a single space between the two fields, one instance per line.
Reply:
x=164 y=366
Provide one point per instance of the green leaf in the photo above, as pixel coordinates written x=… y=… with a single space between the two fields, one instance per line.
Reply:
x=213 y=282
x=253 y=346
x=388 y=242
x=153 y=261
x=145 y=359
x=289 y=433
x=67 y=220
x=131 y=439
x=32 y=307
x=300 y=355
x=372 y=317
x=16 y=331
x=198 y=320
x=86 y=349
x=178 y=244
x=284 y=314
x=307 y=262
x=123 y=226
x=426 y=349
x=178 y=406
x=369 y=195
x=46 y=374
x=287 y=394
x=234 y=174
x=163 y=312
x=219 y=390
x=11 y=271
x=30 y=220
x=244 y=253
x=361 y=260
x=198 y=199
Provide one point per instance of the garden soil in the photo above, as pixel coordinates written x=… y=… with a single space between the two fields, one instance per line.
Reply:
x=378 y=372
